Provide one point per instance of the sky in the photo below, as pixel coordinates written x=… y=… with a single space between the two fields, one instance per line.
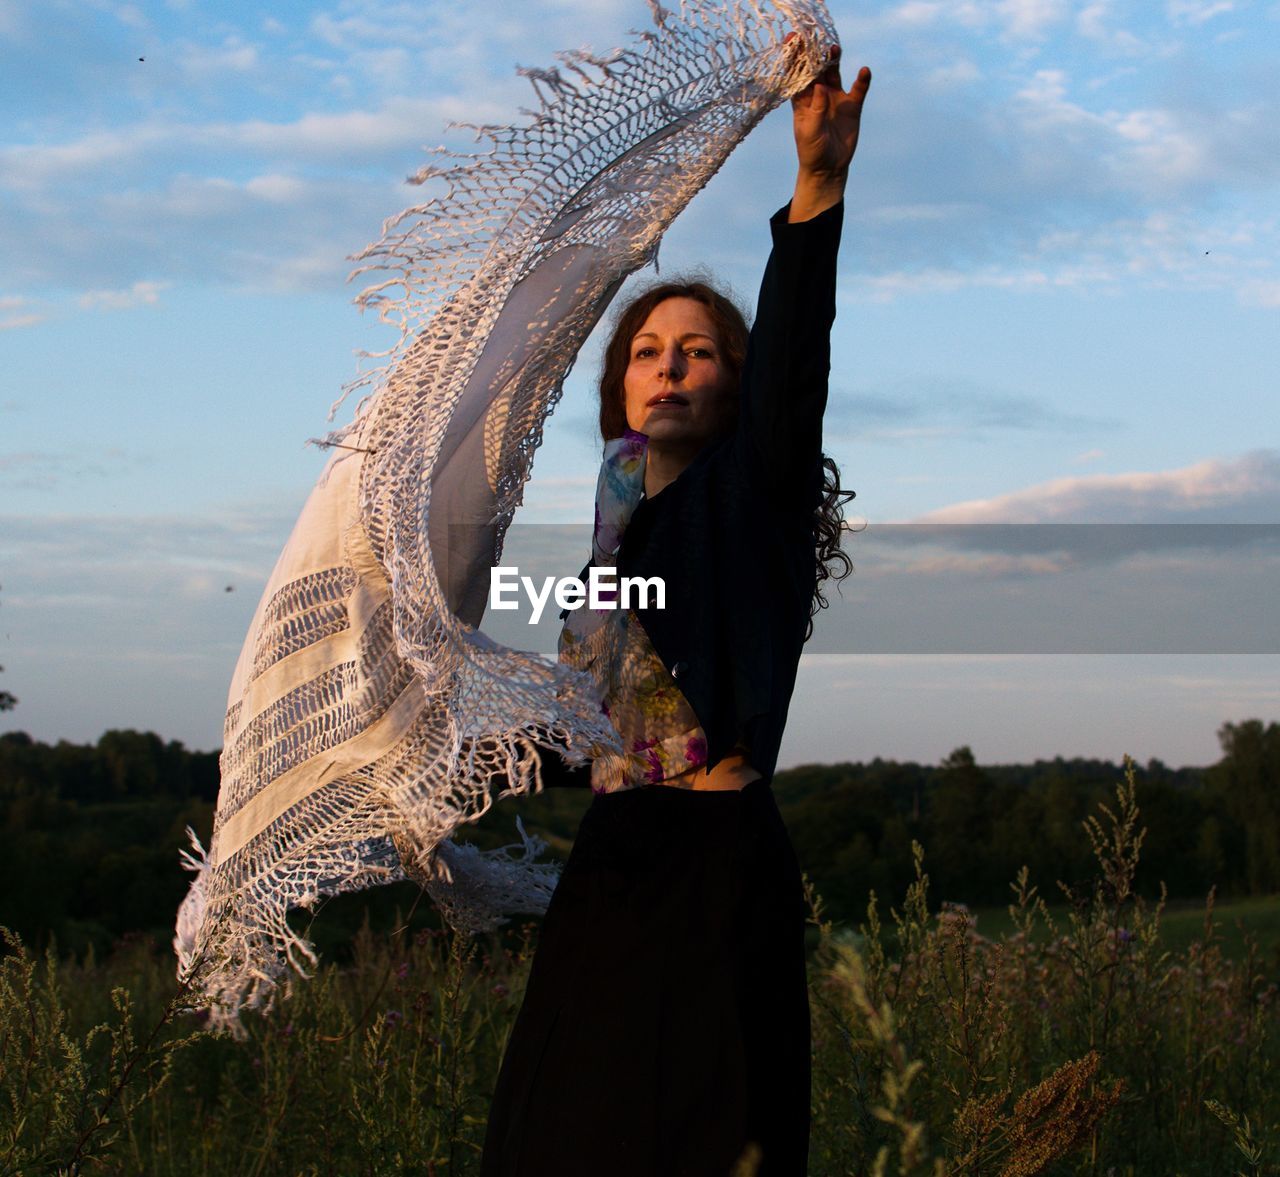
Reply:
x=1059 y=305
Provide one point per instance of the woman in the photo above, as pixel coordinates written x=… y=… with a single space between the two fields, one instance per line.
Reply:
x=665 y=1026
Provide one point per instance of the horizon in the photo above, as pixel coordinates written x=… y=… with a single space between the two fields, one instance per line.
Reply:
x=1117 y=762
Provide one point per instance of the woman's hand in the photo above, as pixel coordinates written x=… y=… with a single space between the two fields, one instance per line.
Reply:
x=826 y=119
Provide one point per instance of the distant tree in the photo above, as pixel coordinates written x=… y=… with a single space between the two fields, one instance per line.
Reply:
x=1247 y=779
x=958 y=829
x=7 y=701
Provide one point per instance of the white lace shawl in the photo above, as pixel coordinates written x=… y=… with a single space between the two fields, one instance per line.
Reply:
x=368 y=717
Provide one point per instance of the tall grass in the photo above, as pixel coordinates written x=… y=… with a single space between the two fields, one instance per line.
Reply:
x=1074 y=1044
x=1067 y=1046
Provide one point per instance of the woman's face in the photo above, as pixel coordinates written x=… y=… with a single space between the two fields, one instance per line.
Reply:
x=678 y=389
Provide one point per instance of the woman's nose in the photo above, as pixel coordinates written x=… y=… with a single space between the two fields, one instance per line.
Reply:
x=672 y=366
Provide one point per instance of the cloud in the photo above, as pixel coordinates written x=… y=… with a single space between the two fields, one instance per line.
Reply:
x=28 y=169
x=959 y=73
x=448 y=33
x=921 y=13
x=1052 y=588
x=130 y=16
x=165 y=201
x=139 y=294
x=1019 y=20
x=16 y=312
x=1197 y=12
x=896 y=214
x=16 y=322
x=937 y=406
x=1003 y=550
x=233 y=56
x=244 y=540
x=1155 y=152
x=1030 y=19
x=1094 y=23
x=347 y=137
x=1023 y=26
x=1163 y=249
x=43 y=470
x=1260 y=294
x=265 y=232
x=887 y=287
x=11 y=12
x=400 y=124
x=377 y=23
x=1244 y=489
x=29 y=471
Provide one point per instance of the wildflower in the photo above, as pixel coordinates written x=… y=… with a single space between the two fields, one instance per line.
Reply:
x=499 y=990
x=1052 y=1118
x=402 y=971
x=393 y=1018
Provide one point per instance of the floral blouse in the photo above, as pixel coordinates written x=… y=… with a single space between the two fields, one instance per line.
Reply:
x=660 y=735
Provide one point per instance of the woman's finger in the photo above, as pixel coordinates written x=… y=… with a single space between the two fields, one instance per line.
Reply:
x=831 y=75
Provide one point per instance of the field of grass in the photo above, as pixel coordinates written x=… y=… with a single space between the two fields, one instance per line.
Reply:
x=1108 y=1040
x=1182 y=924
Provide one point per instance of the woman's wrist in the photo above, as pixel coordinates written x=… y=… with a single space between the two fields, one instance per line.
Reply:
x=815 y=193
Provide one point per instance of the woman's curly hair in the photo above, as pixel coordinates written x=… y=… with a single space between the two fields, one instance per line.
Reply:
x=831 y=563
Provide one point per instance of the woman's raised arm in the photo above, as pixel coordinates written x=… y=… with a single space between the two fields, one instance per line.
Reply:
x=826 y=119
x=784 y=390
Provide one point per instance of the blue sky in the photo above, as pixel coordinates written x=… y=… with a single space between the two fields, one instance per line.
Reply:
x=1060 y=302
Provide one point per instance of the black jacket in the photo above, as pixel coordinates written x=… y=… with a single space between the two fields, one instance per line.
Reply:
x=732 y=536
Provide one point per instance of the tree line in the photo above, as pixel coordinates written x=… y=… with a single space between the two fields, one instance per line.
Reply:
x=90 y=833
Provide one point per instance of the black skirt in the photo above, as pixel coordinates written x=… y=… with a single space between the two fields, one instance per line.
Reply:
x=665 y=1027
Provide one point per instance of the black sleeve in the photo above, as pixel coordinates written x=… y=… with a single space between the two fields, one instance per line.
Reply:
x=784 y=384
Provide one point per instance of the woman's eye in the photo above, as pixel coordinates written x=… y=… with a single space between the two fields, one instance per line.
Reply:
x=645 y=352
x=699 y=352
